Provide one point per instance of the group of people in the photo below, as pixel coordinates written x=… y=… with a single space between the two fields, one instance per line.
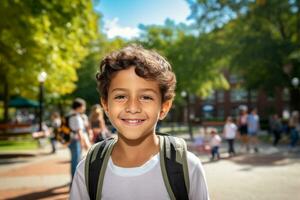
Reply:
x=246 y=126
x=289 y=126
x=86 y=130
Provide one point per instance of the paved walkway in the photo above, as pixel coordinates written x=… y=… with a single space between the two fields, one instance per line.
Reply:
x=272 y=174
x=35 y=175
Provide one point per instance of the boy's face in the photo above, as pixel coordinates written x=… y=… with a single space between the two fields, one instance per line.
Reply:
x=134 y=104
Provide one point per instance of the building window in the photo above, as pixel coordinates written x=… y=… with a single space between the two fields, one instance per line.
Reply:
x=234 y=112
x=211 y=98
x=208 y=111
x=220 y=112
x=253 y=95
x=286 y=94
x=233 y=78
x=237 y=95
x=220 y=96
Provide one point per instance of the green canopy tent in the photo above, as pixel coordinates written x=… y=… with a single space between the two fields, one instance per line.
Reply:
x=21 y=102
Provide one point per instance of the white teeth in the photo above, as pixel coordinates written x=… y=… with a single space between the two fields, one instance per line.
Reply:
x=133 y=121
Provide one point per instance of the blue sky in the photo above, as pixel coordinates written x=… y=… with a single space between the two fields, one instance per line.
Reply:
x=122 y=17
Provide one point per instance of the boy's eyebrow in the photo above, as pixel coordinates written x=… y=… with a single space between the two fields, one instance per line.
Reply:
x=142 y=90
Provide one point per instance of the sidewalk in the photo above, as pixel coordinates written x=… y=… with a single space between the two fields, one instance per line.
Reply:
x=271 y=174
x=35 y=175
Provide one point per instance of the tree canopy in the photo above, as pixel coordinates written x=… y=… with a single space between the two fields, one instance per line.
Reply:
x=190 y=56
x=261 y=37
x=51 y=36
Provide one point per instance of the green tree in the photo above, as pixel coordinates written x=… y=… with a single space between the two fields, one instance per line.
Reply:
x=52 y=36
x=86 y=84
x=192 y=57
x=262 y=39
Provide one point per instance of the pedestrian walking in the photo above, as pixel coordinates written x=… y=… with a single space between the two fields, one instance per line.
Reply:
x=137 y=89
x=243 y=127
x=215 y=142
x=77 y=125
x=229 y=133
x=276 y=128
x=294 y=126
x=253 y=128
x=55 y=124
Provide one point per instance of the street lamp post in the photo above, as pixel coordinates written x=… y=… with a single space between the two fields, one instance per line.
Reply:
x=295 y=95
x=185 y=95
x=295 y=82
x=41 y=78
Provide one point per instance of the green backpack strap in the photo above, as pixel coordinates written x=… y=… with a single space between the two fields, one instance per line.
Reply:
x=95 y=165
x=173 y=161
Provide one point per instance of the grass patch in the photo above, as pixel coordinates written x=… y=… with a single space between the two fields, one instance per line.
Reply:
x=11 y=145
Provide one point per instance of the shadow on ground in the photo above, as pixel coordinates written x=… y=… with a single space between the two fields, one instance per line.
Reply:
x=274 y=159
x=55 y=193
x=260 y=160
x=16 y=155
x=10 y=158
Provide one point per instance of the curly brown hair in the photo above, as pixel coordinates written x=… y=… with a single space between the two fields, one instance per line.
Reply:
x=148 y=65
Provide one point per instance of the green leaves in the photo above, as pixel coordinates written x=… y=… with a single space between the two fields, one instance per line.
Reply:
x=52 y=36
x=257 y=41
x=193 y=58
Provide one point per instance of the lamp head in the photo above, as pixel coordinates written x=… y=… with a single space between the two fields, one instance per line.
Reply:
x=42 y=77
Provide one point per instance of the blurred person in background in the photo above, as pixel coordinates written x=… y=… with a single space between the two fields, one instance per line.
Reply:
x=215 y=142
x=243 y=127
x=276 y=128
x=55 y=124
x=229 y=133
x=294 y=126
x=97 y=124
x=253 y=128
x=77 y=125
x=87 y=131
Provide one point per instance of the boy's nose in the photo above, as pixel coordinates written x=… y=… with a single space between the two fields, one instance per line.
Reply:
x=133 y=107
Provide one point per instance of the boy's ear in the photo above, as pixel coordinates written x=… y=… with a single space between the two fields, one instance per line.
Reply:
x=104 y=105
x=166 y=106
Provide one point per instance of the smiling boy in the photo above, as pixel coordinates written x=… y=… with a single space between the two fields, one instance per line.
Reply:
x=137 y=88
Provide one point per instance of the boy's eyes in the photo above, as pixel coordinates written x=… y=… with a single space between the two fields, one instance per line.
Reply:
x=147 y=98
x=143 y=97
x=119 y=97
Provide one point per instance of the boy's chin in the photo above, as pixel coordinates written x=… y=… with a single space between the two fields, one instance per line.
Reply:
x=138 y=137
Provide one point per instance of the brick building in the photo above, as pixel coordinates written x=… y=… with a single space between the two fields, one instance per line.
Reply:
x=222 y=103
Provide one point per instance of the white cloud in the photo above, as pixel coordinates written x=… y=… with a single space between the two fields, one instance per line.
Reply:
x=113 y=29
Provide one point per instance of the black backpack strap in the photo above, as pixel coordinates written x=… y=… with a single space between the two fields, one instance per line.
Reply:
x=174 y=168
x=95 y=165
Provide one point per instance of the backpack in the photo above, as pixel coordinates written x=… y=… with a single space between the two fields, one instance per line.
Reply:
x=173 y=165
x=63 y=134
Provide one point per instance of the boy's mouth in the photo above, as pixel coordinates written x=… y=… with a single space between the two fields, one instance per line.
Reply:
x=133 y=122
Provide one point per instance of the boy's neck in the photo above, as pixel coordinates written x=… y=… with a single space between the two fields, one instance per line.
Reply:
x=128 y=153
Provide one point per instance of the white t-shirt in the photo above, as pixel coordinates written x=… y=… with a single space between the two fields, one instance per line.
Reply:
x=215 y=141
x=144 y=182
x=230 y=130
x=76 y=122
